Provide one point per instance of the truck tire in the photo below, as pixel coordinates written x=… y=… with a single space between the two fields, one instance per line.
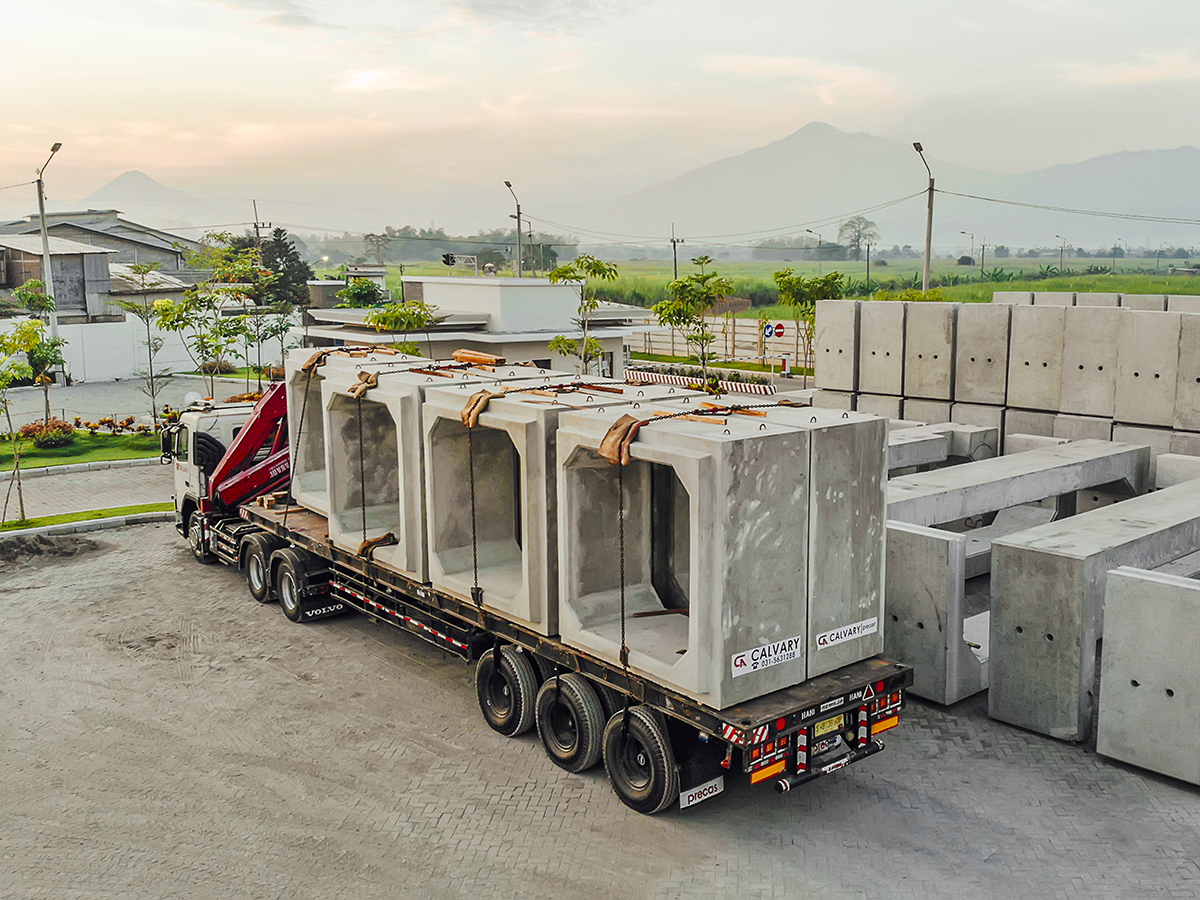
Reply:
x=507 y=691
x=570 y=722
x=611 y=700
x=256 y=556
x=196 y=538
x=639 y=761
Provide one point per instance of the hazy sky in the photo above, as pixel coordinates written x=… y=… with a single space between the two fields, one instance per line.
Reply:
x=424 y=107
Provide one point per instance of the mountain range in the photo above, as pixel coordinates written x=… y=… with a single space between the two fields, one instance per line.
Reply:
x=817 y=177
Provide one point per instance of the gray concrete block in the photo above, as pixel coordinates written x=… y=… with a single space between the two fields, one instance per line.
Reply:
x=824 y=399
x=971 y=489
x=1082 y=428
x=976 y=414
x=1157 y=439
x=925 y=607
x=1035 y=357
x=1151 y=672
x=1186 y=443
x=1184 y=303
x=1023 y=443
x=1187 y=379
x=881 y=347
x=927 y=411
x=1095 y=299
x=777 y=576
x=929 y=350
x=908 y=448
x=981 y=353
x=878 y=405
x=835 y=345
x=1175 y=468
x=1151 y=302
x=1013 y=298
x=1048 y=603
x=1147 y=368
x=1053 y=298
x=1023 y=421
x=1089 y=370
x=969 y=442
x=515 y=492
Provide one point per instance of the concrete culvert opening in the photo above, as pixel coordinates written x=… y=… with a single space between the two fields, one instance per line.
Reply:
x=309 y=433
x=498 y=505
x=658 y=554
x=366 y=466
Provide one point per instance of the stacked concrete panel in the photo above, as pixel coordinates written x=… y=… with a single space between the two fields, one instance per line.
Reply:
x=1187 y=385
x=513 y=448
x=1013 y=298
x=1048 y=603
x=764 y=535
x=929 y=350
x=1082 y=428
x=1035 y=357
x=1184 y=303
x=927 y=411
x=881 y=348
x=1149 y=708
x=1147 y=368
x=981 y=360
x=1089 y=369
x=1053 y=298
x=976 y=414
x=1151 y=302
x=1096 y=299
x=878 y=405
x=835 y=345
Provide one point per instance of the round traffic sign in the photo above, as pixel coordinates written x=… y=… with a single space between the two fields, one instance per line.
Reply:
x=779 y=329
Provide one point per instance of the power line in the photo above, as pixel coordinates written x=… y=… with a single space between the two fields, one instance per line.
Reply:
x=18 y=184
x=1169 y=220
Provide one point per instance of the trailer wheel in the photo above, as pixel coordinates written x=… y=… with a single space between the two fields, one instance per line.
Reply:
x=507 y=691
x=196 y=538
x=290 y=582
x=611 y=700
x=258 y=548
x=639 y=761
x=570 y=722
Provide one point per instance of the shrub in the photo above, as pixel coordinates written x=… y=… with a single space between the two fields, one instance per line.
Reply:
x=45 y=435
x=244 y=398
x=224 y=367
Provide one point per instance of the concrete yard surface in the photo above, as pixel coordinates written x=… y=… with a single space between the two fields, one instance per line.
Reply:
x=165 y=736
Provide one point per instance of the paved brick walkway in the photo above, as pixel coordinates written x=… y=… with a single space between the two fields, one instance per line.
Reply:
x=165 y=736
x=51 y=495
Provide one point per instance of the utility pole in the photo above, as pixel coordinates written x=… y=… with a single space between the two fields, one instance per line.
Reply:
x=675 y=242
x=982 y=256
x=47 y=274
x=819 y=243
x=928 y=218
x=533 y=261
x=508 y=184
x=258 y=225
x=868 y=282
x=1061 y=252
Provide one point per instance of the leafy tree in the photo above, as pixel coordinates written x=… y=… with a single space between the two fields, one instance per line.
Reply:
x=15 y=346
x=855 y=232
x=279 y=254
x=143 y=309
x=238 y=278
x=701 y=261
x=407 y=317
x=802 y=295
x=684 y=309
x=578 y=273
x=46 y=354
x=361 y=293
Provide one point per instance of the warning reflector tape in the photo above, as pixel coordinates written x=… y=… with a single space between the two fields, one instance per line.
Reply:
x=395 y=614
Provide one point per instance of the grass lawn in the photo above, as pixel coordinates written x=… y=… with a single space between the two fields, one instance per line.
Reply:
x=111 y=512
x=87 y=448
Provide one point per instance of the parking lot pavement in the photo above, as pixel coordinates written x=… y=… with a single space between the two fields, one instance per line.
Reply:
x=165 y=736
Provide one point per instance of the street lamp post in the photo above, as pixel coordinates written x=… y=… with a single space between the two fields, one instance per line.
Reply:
x=675 y=242
x=868 y=283
x=972 y=236
x=508 y=184
x=1114 y=256
x=928 y=217
x=819 y=243
x=47 y=274
x=982 y=256
x=1061 y=252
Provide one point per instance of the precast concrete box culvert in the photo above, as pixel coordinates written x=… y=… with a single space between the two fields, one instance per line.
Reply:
x=723 y=547
x=391 y=443
x=306 y=425
x=515 y=489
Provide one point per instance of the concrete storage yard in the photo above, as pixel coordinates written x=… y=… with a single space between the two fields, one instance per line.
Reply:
x=169 y=737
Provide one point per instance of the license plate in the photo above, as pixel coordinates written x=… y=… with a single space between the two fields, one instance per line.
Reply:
x=834 y=724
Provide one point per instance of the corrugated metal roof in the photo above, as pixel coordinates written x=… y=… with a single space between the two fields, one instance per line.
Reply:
x=126 y=281
x=32 y=243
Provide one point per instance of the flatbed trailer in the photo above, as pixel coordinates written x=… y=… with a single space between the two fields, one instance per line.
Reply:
x=657 y=744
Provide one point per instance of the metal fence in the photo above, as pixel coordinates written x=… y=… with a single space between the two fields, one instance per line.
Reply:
x=735 y=338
